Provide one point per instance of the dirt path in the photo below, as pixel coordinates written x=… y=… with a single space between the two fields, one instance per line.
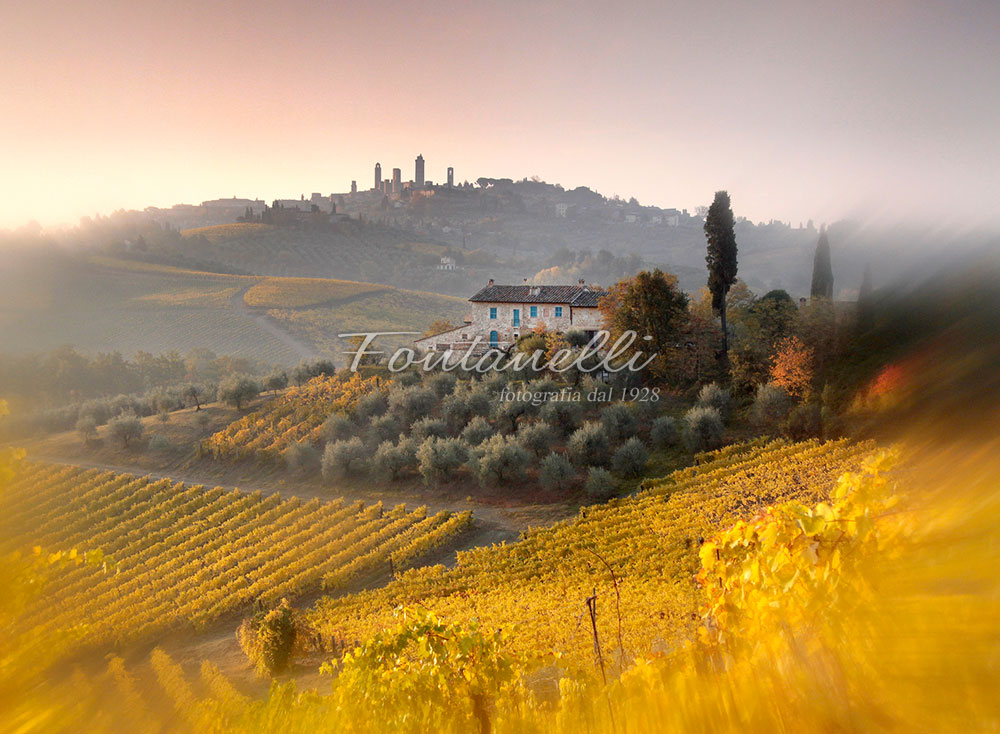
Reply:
x=265 y=322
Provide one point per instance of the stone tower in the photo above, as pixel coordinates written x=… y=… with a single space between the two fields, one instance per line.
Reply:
x=418 y=175
x=451 y=177
x=378 y=176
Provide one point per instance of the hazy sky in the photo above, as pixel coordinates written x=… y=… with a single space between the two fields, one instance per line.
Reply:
x=801 y=109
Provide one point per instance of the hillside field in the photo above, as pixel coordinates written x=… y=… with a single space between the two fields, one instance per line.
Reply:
x=116 y=304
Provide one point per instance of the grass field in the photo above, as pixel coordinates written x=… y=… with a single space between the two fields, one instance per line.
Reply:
x=302 y=292
x=116 y=304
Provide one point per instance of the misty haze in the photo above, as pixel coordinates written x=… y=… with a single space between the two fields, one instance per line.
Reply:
x=223 y=507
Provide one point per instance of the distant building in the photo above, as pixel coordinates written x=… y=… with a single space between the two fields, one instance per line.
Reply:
x=447 y=263
x=354 y=187
x=451 y=177
x=378 y=176
x=502 y=313
x=418 y=175
x=397 y=180
x=561 y=210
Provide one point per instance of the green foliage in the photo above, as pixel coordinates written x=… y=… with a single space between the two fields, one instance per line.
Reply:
x=721 y=257
x=337 y=427
x=371 y=405
x=275 y=381
x=384 y=428
x=501 y=460
x=600 y=484
x=160 y=443
x=663 y=432
x=714 y=396
x=822 y=277
x=308 y=370
x=770 y=407
x=589 y=445
x=410 y=403
x=702 y=429
x=268 y=638
x=556 y=472
x=619 y=422
x=439 y=458
x=537 y=437
x=652 y=305
x=427 y=427
x=564 y=415
x=344 y=458
x=86 y=429
x=392 y=460
x=629 y=459
x=126 y=428
x=238 y=390
x=302 y=458
x=805 y=421
x=477 y=431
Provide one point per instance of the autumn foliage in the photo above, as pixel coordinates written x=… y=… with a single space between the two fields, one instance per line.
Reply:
x=792 y=368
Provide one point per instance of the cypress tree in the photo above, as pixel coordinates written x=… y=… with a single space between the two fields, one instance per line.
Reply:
x=721 y=258
x=822 y=280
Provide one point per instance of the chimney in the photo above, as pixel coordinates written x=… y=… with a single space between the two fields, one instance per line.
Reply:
x=526 y=281
x=491 y=282
x=582 y=281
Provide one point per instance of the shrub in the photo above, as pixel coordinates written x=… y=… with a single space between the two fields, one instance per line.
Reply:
x=410 y=403
x=384 y=428
x=86 y=429
x=427 y=427
x=663 y=432
x=391 y=460
x=619 y=423
x=537 y=437
x=442 y=383
x=565 y=416
x=770 y=407
x=125 y=428
x=439 y=458
x=160 y=443
x=502 y=460
x=308 y=370
x=478 y=430
x=805 y=421
x=589 y=445
x=268 y=638
x=600 y=485
x=337 y=427
x=302 y=458
x=702 y=429
x=556 y=472
x=344 y=458
x=237 y=390
x=275 y=381
x=630 y=458
x=371 y=405
x=713 y=396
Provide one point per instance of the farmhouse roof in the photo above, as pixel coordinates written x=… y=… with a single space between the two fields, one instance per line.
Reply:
x=580 y=296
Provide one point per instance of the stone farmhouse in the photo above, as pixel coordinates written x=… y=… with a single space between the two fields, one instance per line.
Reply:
x=502 y=313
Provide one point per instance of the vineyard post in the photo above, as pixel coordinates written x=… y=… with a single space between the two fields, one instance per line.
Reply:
x=592 y=608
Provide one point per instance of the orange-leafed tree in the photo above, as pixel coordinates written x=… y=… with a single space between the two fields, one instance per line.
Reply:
x=792 y=368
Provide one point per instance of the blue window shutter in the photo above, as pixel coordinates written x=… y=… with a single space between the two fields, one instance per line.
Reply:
x=534 y=312
x=558 y=312
x=493 y=312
